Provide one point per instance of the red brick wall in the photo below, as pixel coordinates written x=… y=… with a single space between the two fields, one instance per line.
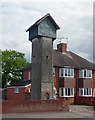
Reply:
x=93 y=82
x=83 y=100
x=15 y=96
x=68 y=100
x=85 y=83
x=26 y=74
x=14 y=106
x=56 y=80
x=27 y=96
x=68 y=82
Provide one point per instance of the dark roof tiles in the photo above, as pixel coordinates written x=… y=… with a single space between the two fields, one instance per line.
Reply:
x=40 y=20
x=21 y=83
x=26 y=67
x=69 y=59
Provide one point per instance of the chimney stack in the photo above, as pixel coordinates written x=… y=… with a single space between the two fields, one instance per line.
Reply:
x=62 y=47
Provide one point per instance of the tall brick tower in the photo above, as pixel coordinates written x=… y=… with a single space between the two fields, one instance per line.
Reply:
x=42 y=34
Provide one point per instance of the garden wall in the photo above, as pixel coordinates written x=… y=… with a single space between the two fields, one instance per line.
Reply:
x=22 y=106
x=83 y=100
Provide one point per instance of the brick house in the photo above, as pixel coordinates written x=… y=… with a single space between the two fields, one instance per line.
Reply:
x=19 y=90
x=73 y=78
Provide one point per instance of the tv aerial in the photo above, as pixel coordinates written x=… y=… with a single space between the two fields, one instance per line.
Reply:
x=62 y=38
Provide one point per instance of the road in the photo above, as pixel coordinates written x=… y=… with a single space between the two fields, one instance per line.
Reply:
x=59 y=114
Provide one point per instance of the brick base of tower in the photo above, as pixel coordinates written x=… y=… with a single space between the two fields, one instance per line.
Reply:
x=46 y=90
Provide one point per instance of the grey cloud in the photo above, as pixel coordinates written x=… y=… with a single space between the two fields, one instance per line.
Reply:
x=75 y=20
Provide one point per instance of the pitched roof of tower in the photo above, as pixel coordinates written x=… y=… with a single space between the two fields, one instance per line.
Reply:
x=68 y=60
x=40 y=20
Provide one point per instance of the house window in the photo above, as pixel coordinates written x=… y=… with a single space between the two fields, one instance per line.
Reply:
x=80 y=73
x=66 y=92
x=94 y=74
x=53 y=71
x=89 y=73
x=85 y=73
x=66 y=72
x=16 y=90
x=94 y=92
x=72 y=72
x=61 y=72
x=29 y=75
x=80 y=91
x=85 y=91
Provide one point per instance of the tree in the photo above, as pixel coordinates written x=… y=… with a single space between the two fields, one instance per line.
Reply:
x=12 y=63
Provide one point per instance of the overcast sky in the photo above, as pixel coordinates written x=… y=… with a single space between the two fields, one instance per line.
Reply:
x=74 y=18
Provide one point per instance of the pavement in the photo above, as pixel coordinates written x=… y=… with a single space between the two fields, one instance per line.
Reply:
x=52 y=114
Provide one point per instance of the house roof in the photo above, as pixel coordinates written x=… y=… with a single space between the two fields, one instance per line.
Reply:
x=26 y=67
x=69 y=59
x=21 y=83
x=40 y=20
x=72 y=60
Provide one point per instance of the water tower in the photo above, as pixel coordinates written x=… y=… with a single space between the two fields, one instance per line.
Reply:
x=42 y=34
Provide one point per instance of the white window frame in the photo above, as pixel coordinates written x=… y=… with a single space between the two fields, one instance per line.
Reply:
x=80 y=89
x=94 y=92
x=82 y=71
x=67 y=72
x=29 y=75
x=60 y=72
x=60 y=89
x=83 y=90
x=94 y=74
x=16 y=90
x=53 y=71
x=64 y=95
